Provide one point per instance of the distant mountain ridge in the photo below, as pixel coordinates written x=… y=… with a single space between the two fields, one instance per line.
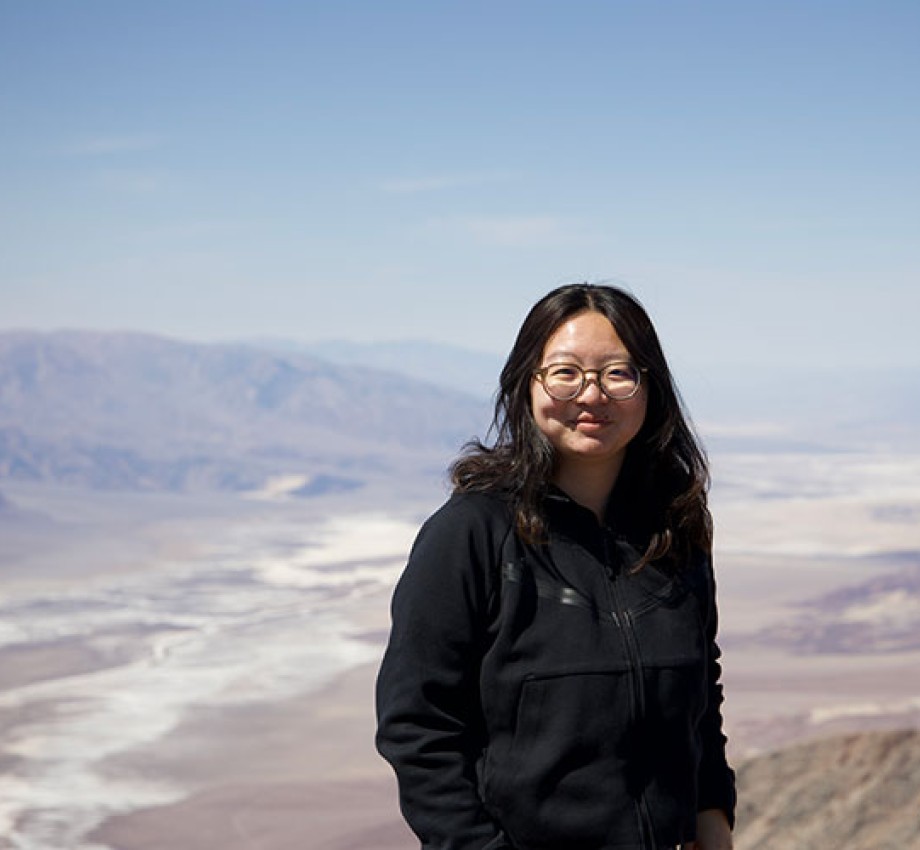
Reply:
x=141 y=411
x=738 y=407
x=462 y=369
x=138 y=411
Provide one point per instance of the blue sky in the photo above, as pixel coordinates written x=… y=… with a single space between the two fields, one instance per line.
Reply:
x=387 y=170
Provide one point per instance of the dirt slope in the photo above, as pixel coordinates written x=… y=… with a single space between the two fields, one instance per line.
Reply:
x=860 y=791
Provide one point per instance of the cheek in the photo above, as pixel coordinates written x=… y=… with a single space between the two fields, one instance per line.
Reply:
x=541 y=409
x=640 y=415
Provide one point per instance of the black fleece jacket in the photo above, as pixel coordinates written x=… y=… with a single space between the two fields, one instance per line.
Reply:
x=549 y=697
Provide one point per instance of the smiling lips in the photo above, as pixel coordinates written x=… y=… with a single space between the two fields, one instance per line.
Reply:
x=590 y=423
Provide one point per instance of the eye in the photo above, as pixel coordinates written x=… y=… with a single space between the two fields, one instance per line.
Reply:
x=620 y=372
x=563 y=372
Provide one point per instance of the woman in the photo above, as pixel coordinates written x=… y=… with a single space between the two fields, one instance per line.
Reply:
x=552 y=678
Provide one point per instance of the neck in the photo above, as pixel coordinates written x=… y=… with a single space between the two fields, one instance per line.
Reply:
x=589 y=484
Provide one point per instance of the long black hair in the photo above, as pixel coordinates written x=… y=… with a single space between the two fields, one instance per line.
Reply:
x=662 y=487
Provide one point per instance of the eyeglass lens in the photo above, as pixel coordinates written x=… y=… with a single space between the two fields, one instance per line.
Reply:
x=564 y=381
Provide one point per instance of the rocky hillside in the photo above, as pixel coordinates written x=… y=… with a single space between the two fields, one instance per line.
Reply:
x=142 y=412
x=861 y=792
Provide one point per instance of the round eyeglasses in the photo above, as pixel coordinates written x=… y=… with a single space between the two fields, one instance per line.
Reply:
x=565 y=381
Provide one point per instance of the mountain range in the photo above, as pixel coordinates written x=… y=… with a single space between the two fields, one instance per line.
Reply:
x=136 y=411
x=763 y=407
x=126 y=410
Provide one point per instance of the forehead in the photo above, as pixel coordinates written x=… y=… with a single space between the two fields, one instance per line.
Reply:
x=586 y=334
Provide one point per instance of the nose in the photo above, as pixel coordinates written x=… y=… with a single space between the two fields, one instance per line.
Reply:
x=591 y=392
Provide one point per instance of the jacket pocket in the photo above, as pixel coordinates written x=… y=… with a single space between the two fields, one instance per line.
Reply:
x=563 y=779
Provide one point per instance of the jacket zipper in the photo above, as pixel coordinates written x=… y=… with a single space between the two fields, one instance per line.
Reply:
x=623 y=617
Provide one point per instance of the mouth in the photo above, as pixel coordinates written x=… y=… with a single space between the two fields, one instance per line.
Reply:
x=589 y=423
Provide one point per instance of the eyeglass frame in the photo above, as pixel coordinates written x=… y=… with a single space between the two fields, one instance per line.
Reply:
x=540 y=375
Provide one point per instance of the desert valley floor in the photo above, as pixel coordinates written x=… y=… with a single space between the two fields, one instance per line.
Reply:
x=192 y=672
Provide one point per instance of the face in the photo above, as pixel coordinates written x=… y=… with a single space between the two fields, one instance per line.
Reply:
x=589 y=428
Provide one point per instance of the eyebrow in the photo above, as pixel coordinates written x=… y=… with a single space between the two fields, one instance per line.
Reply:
x=609 y=358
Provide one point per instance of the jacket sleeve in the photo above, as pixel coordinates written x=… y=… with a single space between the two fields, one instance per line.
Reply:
x=716 y=780
x=428 y=707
